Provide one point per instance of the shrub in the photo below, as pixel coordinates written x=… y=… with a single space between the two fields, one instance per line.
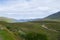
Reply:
x=35 y=36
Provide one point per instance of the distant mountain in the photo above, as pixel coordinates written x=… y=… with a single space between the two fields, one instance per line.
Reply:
x=11 y=20
x=54 y=16
x=7 y=19
x=29 y=20
x=22 y=20
x=25 y=20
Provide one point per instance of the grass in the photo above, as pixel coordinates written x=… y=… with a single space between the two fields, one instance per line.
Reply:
x=34 y=27
x=5 y=35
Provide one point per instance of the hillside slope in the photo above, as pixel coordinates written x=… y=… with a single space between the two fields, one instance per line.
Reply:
x=54 y=16
x=22 y=28
x=51 y=29
x=7 y=19
x=5 y=34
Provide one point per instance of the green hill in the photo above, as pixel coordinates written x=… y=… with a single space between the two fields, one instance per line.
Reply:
x=21 y=29
x=5 y=34
x=48 y=30
x=7 y=19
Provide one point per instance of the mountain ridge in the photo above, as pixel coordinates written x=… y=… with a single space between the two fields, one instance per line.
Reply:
x=54 y=16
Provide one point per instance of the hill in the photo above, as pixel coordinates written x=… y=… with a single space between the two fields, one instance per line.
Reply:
x=5 y=34
x=20 y=29
x=55 y=16
x=7 y=19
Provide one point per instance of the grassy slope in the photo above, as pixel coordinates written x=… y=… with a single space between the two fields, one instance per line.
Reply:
x=5 y=35
x=10 y=20
x=51 y=25
x=35 y=27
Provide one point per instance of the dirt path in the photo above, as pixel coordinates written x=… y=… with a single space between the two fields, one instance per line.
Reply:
x=44 y=26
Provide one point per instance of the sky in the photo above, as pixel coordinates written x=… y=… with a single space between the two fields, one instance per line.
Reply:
x=28 y=9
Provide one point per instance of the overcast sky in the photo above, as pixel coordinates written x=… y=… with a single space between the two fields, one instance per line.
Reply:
x=27 y=9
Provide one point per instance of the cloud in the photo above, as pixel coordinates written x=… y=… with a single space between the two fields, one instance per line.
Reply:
x=28 y=8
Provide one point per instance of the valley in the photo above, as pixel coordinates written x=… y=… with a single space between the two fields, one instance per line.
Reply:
x=33 y=29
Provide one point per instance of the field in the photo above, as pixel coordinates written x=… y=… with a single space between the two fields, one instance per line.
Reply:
x=21 y=29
